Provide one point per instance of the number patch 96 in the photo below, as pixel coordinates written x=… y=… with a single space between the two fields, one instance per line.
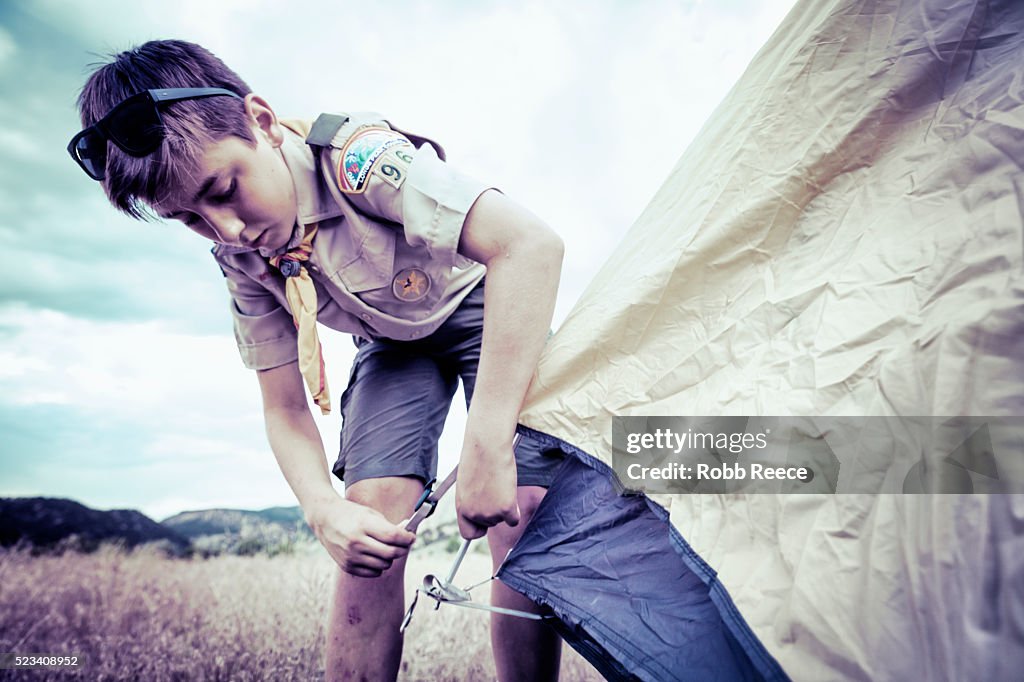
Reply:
x=394 y=165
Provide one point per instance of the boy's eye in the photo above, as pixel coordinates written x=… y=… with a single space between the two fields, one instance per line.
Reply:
x=226 y=194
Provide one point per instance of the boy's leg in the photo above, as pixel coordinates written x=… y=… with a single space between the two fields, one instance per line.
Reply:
x=363 y=642
x=392 y=411
x=523 y=649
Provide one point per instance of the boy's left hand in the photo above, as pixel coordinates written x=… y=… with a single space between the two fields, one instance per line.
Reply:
x=485 y=493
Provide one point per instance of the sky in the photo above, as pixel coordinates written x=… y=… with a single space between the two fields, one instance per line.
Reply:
x=120 y=382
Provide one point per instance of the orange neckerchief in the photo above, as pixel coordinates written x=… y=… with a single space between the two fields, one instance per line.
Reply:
x=301 y=296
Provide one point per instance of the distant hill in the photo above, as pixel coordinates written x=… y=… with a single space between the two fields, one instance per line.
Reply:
x=45 y=522
x=49 y=523
x=240 y=531
x=193 y=524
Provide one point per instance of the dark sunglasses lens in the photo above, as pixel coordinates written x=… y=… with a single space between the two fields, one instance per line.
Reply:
x=135 y=127
x=91 y=150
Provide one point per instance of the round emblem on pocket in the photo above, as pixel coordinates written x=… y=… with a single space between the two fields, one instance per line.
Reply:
x=410 y=285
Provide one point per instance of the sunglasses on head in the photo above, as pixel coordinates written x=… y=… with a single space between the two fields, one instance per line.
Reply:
x=134 y=125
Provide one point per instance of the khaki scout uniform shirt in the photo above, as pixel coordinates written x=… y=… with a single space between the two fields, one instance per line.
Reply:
x=384 y=260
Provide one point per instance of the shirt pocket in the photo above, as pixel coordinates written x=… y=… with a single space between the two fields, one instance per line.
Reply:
x=364 y=256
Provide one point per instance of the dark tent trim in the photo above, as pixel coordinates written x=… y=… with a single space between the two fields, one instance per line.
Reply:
x=701 y=635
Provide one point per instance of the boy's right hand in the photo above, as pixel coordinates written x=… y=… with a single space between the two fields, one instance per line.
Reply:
x=359 y=539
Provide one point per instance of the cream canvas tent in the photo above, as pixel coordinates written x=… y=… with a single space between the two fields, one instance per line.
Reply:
x=843 y=238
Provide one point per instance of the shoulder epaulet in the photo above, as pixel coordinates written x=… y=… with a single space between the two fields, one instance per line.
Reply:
x=324 y=129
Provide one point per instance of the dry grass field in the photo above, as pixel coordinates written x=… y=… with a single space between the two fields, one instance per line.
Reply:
x=140 y=616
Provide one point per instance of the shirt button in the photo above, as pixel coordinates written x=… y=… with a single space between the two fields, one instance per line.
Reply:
x=414 y=335
x=366 y=316
x=314 y=269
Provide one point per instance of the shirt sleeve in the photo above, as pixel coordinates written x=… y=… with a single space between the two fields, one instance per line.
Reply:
x=380 y=172
x=264 y=329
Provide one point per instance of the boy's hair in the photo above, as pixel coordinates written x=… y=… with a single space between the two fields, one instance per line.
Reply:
x=134 y=183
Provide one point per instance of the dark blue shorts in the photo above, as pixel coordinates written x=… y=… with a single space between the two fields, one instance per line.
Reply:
x=398 y=396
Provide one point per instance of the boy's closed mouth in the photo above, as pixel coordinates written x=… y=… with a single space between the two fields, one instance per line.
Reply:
x=258 y=242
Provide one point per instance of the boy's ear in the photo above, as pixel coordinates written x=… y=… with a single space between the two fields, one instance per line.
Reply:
x=264 y=118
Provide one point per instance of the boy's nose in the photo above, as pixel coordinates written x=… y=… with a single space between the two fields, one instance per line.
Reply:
x=227 y=225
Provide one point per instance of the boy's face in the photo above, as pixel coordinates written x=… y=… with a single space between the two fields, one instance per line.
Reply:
x=239 y=195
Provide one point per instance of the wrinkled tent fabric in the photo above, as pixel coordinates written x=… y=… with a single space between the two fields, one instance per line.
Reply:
x=844 y=237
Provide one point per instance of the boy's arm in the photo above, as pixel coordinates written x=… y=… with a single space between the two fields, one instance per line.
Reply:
x=524 y=259
x=362 y=541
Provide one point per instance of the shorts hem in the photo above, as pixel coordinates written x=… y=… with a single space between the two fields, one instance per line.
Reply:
x=356 y=477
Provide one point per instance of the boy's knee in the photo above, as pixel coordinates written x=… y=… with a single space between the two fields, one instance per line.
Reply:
x=392 y=496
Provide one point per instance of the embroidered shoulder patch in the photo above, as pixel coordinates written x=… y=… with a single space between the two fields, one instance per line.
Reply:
x=359 y=155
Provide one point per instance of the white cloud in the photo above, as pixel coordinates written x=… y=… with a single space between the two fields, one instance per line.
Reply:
x=185 y=412
x=7 y=47
x=128 y=367
x=16 y=143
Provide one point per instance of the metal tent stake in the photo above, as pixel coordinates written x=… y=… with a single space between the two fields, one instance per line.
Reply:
x=447 y=593
x=444 y=591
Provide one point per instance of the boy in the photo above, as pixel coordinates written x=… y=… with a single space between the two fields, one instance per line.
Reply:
x=365 y=229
